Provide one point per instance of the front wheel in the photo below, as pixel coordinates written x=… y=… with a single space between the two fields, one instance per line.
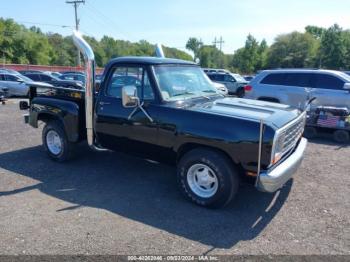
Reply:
x=56 y=143
x=207 y=178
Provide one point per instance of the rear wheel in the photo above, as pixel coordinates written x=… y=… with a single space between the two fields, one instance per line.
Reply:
x=56 y=143
x=310 y=132
x=341 y=136
x=207 y=178
x=240 y=92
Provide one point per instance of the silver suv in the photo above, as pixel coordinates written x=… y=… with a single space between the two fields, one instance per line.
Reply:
x=295 y=86
x=234 y=82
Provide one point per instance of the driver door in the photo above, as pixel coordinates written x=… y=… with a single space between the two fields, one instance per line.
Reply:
x=127 y=129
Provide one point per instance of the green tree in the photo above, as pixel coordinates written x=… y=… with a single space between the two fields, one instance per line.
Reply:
x=333 y=48
x=315 y=31
x=193 y=44
x=294 y=50
x=211 y=57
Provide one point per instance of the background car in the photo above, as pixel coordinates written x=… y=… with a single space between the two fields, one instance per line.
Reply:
x=295 y=86
x=16 y=85
x=73 y=76
x=248 y=78
x=43 y=77
x=55 y=74
x=234 y=82
x=23 y=72
x=70 y=72
x=221 y=88
x=9 y=71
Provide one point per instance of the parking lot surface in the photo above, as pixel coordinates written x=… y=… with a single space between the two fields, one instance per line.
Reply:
x=111 y=203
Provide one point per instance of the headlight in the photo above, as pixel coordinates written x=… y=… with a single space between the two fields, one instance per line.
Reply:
x=277 y=150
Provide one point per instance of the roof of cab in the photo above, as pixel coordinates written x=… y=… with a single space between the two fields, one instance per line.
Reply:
x=149 y=60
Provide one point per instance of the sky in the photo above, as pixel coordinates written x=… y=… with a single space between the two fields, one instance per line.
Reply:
x=172 y=22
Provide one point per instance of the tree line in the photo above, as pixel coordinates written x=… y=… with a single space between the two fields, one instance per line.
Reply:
x=315 y=48
x=21 y=45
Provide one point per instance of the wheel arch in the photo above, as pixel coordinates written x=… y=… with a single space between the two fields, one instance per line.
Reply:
x=187 y=147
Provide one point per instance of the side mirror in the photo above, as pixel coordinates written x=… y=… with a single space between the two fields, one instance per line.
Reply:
x=347 y=86
x=129 y=96
x=19 y=80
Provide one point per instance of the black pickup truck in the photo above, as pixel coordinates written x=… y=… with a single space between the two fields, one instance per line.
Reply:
x=168 y=110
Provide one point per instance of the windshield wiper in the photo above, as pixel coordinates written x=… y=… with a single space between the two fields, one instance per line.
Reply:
x=184 y=93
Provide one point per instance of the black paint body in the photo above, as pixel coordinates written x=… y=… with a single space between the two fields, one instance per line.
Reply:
x=177 y=127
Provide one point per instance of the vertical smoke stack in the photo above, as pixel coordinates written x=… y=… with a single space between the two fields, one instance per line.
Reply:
x=159 y=51
x=89 y=59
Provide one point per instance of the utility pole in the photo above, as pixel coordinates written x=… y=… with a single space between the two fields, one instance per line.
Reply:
x=220 y=42
x=76 y=4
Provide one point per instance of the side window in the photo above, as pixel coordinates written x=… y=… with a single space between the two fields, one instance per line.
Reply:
x=212 y=77
x=34 y=77
x=220 y=78
x=297 y=79
x=126 y=76
x=324 y=81
x=273 y=79
x=2 y=78
x=11 y=78
x=229 y=78
x=45 y=78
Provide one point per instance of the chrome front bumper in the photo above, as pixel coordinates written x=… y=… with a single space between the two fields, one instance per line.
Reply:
x=271 y=181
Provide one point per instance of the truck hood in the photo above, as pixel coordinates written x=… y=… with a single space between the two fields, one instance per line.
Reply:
x=275 y=114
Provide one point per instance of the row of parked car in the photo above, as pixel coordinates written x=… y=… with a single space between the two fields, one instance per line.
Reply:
x=16 y=83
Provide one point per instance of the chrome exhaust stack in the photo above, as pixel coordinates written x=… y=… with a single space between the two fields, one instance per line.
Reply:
x=159 y=51
x=89 y=59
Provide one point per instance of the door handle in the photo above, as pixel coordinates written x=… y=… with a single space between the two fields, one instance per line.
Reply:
x=104 y=103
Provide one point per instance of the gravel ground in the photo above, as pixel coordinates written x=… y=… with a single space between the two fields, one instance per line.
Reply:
x=110 y=203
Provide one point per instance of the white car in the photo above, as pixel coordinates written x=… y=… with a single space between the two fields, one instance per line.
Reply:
x=221 y=88
x=296 y=86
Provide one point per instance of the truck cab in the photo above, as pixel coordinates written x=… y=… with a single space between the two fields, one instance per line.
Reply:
x=168 y=110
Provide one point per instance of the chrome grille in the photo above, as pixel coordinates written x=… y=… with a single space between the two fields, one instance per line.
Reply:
x=292 y=133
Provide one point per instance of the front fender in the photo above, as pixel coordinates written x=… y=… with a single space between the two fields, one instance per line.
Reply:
x=67 y=112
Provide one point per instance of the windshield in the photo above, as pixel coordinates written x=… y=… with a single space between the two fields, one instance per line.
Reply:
x=178 y=82
x=239 y=78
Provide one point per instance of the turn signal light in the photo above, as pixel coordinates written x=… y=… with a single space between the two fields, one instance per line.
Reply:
x=248 y=88
x=276 y=159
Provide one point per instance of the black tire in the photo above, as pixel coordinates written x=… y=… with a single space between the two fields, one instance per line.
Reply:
x=341 y=136
x=310 y=132
x=240 y=92
x=226 y=174
x=67 y=148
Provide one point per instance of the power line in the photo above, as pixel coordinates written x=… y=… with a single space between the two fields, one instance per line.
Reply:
x=105 y=17
x=220 y=42
x=44 y=24
x=76 y=3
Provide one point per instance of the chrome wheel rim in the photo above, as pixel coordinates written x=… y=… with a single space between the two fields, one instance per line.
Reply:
x=54 y=142
x=202 y=180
